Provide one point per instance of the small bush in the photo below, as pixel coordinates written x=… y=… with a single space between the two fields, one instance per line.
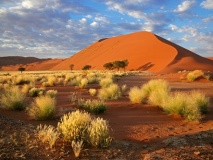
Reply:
x=158 y=97
x=92 y=91
x=154 y=85
x=23 y=80
x=110 y=93
x=83 y=83
x=106 y=82
x=13 y=99
x=47 y=134
x=99 y=133
x=42 y=108
x=52 y=93
x=34 y=92
x=192 y=76
x=136 y=95
x=74 y=126
x=94 y=106
x=26 y=88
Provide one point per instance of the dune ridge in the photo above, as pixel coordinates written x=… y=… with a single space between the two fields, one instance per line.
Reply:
x=144 y=51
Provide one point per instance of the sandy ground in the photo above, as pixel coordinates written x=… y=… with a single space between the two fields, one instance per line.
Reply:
x=140 y=131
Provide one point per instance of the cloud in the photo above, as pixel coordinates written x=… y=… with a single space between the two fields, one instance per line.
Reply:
x=208 y=4
x=185 y=6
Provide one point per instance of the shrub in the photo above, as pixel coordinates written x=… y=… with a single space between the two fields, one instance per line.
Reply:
x=51 y=80
x=42 y=108
x=34 y=92
x=92 y=91
x=192 y=76
x=154 y=85
x=83 y=83
x=106 y=82
x=13 y=99
x=52 y=93
x=74 y=126
x=99 y=133
x=94 y=106
x=158 y=97
x=136 y=95
x=26 y=88
x=47 y=134
x=23 y=80
x=111 y=92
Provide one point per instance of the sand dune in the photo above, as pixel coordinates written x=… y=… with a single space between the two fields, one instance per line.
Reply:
x=144 y=51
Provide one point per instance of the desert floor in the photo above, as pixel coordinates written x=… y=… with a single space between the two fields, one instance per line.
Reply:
x=140 y=131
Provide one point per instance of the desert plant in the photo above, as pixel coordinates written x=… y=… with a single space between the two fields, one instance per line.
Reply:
x=86 y=67
x=99 y=133
x=192 y=76
x=26 y=88
x=158 y=97
x=19 y=80
x=77 y=146
x=34 y=92
x=21 y=69
x=42 y=108
x=94 y=106
x=83 y=83
x=74 y=126
x=110 y=93
x=136 y=95
x=47 y=134
x=106 y=82
x=13 y=99
x=92 y=91
x=154 y=85
x=52 y=93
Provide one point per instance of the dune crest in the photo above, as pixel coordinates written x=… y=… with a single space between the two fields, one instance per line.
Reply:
x=144 y=51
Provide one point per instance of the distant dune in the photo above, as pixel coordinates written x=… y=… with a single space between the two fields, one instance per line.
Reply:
x=210 y=58
x=144 y=51
x=36 y=66
x=13 y=60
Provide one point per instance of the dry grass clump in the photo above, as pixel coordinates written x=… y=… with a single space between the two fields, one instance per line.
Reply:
x=74 y=126
x=51 y=81
x=106 y=82
x=136 y=95
x=83 y=83
x=158 y=97
x=189 y=105
x=42 y=108
x=34 y=92
x=26 y=88
x=52 y=93
x=192 y=76
x=47 y=133
x=92 y=91
x=111 y=92
x=19 y=80
x=80 y=127
x=93 y=106
x=12 y=98
x=99 y=133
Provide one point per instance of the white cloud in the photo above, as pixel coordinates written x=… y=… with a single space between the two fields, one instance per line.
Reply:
x=94 y=24
x=208 y=4
x=208 y=19
x=185 y=6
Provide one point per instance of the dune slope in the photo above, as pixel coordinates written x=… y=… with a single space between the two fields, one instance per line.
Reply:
x=144 y=51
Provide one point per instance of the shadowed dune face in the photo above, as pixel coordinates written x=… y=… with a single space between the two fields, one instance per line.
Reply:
x=144 y=51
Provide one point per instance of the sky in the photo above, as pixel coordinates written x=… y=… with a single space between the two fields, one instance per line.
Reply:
x=61 y=28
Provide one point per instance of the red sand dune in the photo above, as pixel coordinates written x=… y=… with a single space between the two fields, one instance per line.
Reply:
x=144 y=51
x=210 y=58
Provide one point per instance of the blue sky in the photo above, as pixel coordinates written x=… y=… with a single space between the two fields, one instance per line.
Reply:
x=60 y=28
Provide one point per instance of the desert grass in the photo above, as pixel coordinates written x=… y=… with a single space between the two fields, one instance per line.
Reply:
x=136 y=95
x=106 y=82
x=192 y=76
x=26 y=88
x=158 y=97
x=34 y=92
x=83 y=83
x=92 y=91
x=73 y=126
x=13 y=99
x=52 y=93
x=42 y=108
x=99 y=135
x=112 y=92
x=94 y=106
x=47 y=133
